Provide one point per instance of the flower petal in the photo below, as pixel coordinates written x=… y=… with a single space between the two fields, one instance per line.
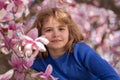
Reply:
x=40 y=46
x=7 y=75
x=42 y=39
x=48 y=70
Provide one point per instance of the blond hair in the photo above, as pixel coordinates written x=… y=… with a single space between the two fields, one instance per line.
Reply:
x=65 y=18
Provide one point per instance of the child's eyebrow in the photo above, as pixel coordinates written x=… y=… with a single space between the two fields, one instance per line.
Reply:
x=62 y=26
x=45 y=28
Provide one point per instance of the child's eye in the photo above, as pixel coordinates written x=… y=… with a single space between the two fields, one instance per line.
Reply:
x=61 y=29
x=48 y=30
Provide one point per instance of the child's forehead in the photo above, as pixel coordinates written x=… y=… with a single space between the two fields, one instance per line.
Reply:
x=53 y=20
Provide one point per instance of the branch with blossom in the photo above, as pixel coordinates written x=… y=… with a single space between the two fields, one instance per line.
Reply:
x=98 y=25
x=14 y=41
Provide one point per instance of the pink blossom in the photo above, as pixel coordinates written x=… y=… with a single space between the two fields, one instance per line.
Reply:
x=19 y=65
x=6 y=14
x=19 y=2
x=7 y=75
x=2 y=4
x=9 y=37
x=45 y=76
x=16 y=62
x=30 y=44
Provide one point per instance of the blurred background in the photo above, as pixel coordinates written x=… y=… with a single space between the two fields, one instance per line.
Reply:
x=98 y=20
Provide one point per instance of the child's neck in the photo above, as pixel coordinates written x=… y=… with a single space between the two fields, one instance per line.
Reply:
x=56 y=53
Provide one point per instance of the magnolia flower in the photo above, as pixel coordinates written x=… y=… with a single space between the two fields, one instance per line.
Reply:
x=30 y=45
x=9 y=40
x=45 y=76
x=7 y=75
x=21 y=8
x=20 y=66
x=5 y=12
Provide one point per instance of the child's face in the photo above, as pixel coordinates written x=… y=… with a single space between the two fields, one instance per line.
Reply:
x=56 y=33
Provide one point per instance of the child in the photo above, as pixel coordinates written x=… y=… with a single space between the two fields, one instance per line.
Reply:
x=70 y=57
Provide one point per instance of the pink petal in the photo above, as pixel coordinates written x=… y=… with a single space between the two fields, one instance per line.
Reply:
x=10 y=6
x=4 y=50
x=27 y=12
x=7 y=75
x=19 y=12
x=29 y=62
x=19 y=75
x=24 y=37
x=33 y=33
x=15 y=61
x=37 y=74
x=48 y=70
x=3 y=12
x=40 y=46
x=35 y=53
x=42 y=39
x=28 y=46
x=8 y=17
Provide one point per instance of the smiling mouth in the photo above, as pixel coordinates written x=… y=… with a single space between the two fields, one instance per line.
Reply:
x=56 y=41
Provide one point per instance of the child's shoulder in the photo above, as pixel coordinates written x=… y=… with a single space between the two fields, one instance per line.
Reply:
x=83 y=48
x=82 y=45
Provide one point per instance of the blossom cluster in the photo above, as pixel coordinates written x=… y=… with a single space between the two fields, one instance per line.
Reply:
x=22 y=47
x=99 y=27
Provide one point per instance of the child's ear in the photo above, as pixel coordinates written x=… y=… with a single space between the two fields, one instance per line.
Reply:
x=33 y=33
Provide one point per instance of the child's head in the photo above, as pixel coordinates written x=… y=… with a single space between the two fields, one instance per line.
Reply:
x=64 y=18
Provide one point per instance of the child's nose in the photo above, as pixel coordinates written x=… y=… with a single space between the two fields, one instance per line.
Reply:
x=56 y=33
